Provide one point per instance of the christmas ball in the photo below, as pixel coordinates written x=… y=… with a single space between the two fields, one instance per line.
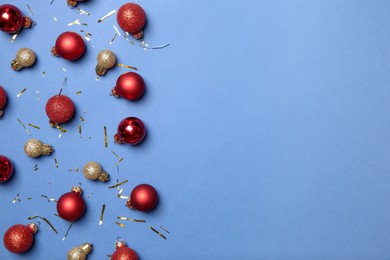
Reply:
x=73 y=3
x=3 y=100
x=93 y=171
x=123 y=252
x=143 y=198
x=6 y=169
x=35 y=148
x=130 y=86
x=71 y=205
x=131 y=18
x=80 y=252
x=106 y=60
x=60 y=109
x=19 y=238
x=69 y=45
x=131 y=131
x=12 y=20
x=25 y=58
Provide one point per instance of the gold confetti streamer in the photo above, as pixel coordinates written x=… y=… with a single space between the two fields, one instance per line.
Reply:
x=48 y=199
x=29 y=198
x=46 y=220
x=63 y=239
x=55 y=160
x=51 y=2
x=106 y=16
x=82 y=119
x=21 y=92
x=64 y=83
x=30 y=9
x=105 y=137
x=16 y=199
x=80 y=131
x=55 y=18
x=37 y=96
x=113 y=38
x=77 y=22
x=78 y=92
x=102 y=214
x=36 y=167
x=165 y=229
x=74 y=170
x=35 y=126
x=81 y=11
x=158 y=233
x=14 y=37
x=25 y=128
x=43 y=74
x=120 y=224
x=126 y=66
x=131 y=219
x=118 y=184
x=116 y=30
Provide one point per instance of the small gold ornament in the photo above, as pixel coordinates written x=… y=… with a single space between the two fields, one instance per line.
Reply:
x=93 y=171
x=80 y=252
x=106 y=60
x=35 y=148
x=25 y=58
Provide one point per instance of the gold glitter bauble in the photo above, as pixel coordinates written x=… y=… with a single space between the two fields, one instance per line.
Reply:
x=25 y=58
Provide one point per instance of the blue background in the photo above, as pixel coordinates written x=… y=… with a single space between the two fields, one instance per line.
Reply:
x=268 y=130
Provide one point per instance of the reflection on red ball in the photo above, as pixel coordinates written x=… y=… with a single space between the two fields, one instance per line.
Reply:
x=70 y=46
x=60 y=109
x=6 y=169
x=131 y=18
x=131 y=131
x=124 y=253
x=11 y=19
x=18 y=239
x=130 y=86
x=143 y=198
x=71 y=206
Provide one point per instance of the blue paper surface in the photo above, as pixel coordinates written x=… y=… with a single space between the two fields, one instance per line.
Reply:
x=268 y=130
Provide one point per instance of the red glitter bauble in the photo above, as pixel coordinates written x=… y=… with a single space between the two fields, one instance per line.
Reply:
x=6 y=169
x=3 y=100
x=69 y=45
x=60 y=109
x=71 y=206
x=19 y=238
x=131 y=18
x=143 y=198
x=131 y=131
x=124 y=253
x=11 y=18
x=130 y=86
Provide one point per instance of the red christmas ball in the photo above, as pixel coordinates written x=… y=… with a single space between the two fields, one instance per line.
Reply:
x=60 y=109
x=123 y=252
x=6 y=169
x=143 y=198
x=130 y=86
x=71 y=205
x=11 y=18
x=69 y=45
x=3 y=100
x=131 y=18
x=131 y=131
x=19 y=238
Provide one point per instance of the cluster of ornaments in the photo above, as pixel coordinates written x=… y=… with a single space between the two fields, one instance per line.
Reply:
x=60 y=109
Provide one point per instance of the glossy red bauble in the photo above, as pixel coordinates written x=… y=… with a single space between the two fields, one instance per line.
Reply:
x=3 y=100
x=143 y=198
x=131 y=131
x=6 y=169
x=69 y=45
x=71 y=206
x=130 y=86
x=19 y=238
x=132 y=19
x=11 y=18
x=60 y=109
